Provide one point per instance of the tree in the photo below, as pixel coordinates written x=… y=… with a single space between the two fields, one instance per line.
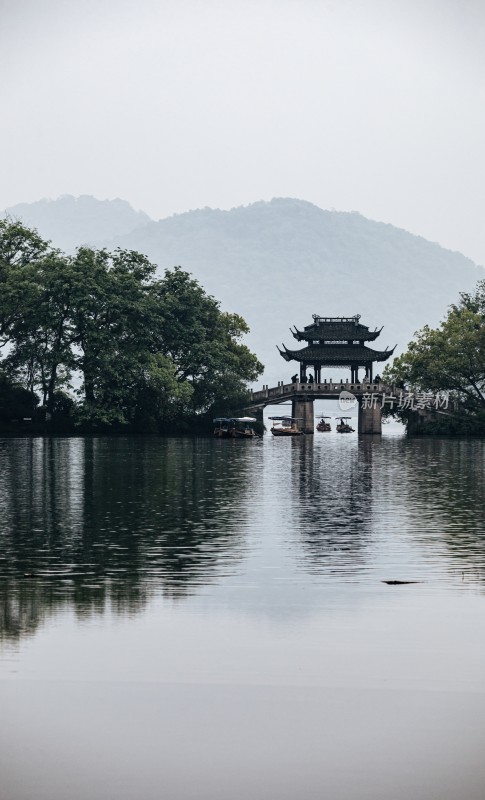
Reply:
x=203 y=342
x=451 y=357
x=110 y=317
x=20 y=249
x=138 y=349
x=42 y=336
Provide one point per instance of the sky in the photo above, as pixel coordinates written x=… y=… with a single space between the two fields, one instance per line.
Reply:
x=376 y=106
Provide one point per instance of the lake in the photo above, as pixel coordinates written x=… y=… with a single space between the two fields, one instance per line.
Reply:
x=189 y=618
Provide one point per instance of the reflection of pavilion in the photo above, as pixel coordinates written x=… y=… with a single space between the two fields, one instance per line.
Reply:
x=332 y=488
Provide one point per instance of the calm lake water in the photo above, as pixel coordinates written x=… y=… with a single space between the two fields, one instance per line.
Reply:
x=205 y=619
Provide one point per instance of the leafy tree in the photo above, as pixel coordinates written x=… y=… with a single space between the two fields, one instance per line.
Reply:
x=42 y=336
x=451 y=357
x=141 y=351
x=203 y=342
x=20 y=249
x=111 y=328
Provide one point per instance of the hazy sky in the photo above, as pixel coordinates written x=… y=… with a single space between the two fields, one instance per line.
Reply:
x=369 y=105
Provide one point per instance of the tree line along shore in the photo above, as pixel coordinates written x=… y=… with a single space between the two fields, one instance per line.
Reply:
x=97 y=342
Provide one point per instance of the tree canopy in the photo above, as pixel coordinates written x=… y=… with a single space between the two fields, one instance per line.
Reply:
x=128 y=347
x=450 y=358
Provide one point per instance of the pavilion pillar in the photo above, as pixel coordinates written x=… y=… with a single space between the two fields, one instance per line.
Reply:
x=302 y=407
x=370 y=419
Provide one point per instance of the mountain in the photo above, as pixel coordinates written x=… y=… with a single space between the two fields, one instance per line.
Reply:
x=277 y=263
x=71 y=221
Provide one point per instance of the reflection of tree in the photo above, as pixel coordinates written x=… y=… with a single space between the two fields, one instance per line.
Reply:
x=333 y=489
x=87 y=522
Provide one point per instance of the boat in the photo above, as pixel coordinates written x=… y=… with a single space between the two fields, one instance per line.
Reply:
x=324 y=427
x=234 y=427
x=286 y=426
x=344 y=427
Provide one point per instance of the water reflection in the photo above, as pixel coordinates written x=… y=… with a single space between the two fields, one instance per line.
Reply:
x=89 y=521
x=93 y=524
x=332 y=486
x=442 y=486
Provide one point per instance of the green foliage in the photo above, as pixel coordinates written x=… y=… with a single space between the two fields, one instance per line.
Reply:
x=41 y=354
x=203 y=342
x=142 y=352
x=20 y=251
x=450 y=358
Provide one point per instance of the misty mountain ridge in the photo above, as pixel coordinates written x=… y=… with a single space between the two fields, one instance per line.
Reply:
x=70 y=221
x=276 y=263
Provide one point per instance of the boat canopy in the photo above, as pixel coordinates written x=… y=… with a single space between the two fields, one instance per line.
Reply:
x=234 y=419
x=285 y=418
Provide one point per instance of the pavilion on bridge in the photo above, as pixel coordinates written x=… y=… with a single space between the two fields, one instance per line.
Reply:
x=336 y=342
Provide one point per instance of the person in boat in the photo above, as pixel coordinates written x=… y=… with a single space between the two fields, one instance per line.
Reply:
x=310 y=378
x=294 y=378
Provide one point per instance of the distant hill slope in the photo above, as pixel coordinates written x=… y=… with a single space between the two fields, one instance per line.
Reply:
x=279 y=262
x=71 y=221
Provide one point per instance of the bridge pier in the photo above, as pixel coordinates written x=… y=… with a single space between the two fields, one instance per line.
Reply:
x=259 y=414
x=303 y=407
x=370 y=419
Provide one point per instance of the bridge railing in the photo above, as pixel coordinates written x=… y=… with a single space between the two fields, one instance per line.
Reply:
x=325 y=387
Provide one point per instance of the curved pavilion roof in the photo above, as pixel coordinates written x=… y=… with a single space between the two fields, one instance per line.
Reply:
x=336 y=329
x=338 y=355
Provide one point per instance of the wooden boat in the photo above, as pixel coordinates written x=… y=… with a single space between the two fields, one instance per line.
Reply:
x=286 y=426
x=234 y=427
x=324 y=427
x=344 y=427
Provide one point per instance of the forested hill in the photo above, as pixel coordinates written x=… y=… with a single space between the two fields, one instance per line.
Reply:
x=277 y=263
x=71 y=221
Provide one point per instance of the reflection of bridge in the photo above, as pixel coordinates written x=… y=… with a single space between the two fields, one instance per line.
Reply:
x=303 y=395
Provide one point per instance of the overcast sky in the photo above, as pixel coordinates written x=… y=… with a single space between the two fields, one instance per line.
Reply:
x=376 y=106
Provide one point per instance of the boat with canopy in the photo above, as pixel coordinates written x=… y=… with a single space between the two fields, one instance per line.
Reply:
x=343 y=426
x=286 y=426
x=323 y=426
x=234 y=427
